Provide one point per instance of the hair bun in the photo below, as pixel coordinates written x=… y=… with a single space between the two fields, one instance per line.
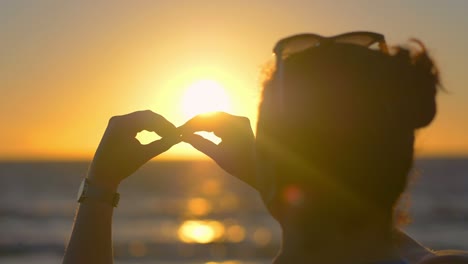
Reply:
x=423 y=82
x=425 y=106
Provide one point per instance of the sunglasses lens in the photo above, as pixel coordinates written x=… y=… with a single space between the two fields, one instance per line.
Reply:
x=302 y=42
x=359 y=39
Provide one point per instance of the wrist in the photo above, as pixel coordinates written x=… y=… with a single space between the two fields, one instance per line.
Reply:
x=90 y=191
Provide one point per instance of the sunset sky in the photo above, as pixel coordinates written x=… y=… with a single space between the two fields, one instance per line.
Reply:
x=66 y=67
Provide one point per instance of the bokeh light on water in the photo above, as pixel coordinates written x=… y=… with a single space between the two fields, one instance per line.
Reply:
x=211 y=187
x=208 y=231
x=235 y=233
x=199 y=206
x=262 y=236
x=195 y=231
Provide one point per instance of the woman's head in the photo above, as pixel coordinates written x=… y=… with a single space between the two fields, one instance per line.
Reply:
x=344 y=128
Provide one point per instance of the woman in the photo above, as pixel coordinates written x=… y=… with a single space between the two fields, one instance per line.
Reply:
x=333 y=150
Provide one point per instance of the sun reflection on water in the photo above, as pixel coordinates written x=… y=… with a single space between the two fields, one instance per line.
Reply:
x=262 y=236
x=199 y=206
x=195 y=231
x=211 y=187
x=235 y=233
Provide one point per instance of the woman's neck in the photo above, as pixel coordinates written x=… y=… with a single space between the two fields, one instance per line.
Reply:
x=323 y=243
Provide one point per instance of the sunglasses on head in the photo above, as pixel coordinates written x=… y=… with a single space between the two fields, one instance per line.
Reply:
x=297 y=43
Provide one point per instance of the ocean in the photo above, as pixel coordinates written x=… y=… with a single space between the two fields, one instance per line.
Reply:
x=184 y=212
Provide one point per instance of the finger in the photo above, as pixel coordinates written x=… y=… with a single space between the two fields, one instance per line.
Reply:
x=203 y=145
x=205 y=122
x=220 y=123
x=148 y=120
x=159 y=146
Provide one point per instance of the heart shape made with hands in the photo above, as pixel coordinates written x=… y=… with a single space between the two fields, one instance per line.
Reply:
x=146 y=137
x=226 y=138
x=234 y=151
x=212 y=126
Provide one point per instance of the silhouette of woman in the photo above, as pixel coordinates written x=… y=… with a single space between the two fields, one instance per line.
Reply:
x=331 y=157
x=334 y=146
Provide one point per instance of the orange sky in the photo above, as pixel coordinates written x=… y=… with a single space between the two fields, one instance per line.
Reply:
x=67 y=67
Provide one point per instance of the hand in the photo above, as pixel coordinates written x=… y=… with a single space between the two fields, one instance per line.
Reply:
x=120 y=154
x=235 y=153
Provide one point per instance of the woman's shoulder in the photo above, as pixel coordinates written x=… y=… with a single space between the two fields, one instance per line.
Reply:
x=446 y=257
x=410 y=249
x=416 y=253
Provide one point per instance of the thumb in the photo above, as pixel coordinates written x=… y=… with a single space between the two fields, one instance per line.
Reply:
x=203 y=145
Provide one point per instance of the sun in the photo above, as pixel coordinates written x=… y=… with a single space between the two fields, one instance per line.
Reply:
x=204 y=96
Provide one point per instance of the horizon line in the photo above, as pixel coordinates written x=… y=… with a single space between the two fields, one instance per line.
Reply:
x=190 y=159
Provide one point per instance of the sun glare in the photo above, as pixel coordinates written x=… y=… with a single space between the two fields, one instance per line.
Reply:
x=204 y=96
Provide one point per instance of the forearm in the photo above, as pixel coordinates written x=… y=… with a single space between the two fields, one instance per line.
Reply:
x=118 y=155
x=91 y=239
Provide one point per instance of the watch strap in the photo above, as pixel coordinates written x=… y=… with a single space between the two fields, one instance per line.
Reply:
x=93 y=192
